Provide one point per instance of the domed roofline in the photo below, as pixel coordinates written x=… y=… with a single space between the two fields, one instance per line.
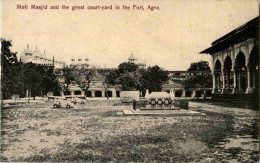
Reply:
x=132 y=57
x=27 y=50
x=36 y=52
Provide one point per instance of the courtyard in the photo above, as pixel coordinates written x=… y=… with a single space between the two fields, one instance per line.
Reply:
x=95 y=132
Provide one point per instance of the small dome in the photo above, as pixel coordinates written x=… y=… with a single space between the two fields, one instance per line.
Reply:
x=44 y=54
x=27 y=50
x=36 y=52
x=132 y=57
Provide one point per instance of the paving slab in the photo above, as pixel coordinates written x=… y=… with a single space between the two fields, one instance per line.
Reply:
x=162 y=112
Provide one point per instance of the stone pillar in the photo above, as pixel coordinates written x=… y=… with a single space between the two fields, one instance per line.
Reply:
x=214 y=90
x=114 y=93
x=224 y=83
x=193 y=94
x=235 y=90
x=239 y=82
x=103 y=93
x=183 y=93
x=82 y=93
x=146 y=94
x=228 y=81
x=217 y=82
x=171 y=94
x=92 y=93
x=72 y=93
x=62 y=93
x=27 y=93
x=249 y=88
x=204 y=94
x=253 y=73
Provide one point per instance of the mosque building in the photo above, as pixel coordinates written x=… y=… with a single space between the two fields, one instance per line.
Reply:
x=98 y=88
x=39 y=58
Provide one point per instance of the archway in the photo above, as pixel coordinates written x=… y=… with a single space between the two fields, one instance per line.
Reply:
x=109 y=94
x=208 y=93
x=217 y=76
x=77 y=92
x=198 y=93
x=67 y=93
x=253 y=67
x=56 y=93
x=117 y=93
x=217 y=66
x=98 y=94
x=240 y=70
x=188 y=93
x=178 y=93
x=227 y=74
x=88 y=93
x=253 y=60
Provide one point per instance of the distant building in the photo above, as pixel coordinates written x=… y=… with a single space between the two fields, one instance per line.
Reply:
x=178 y=89
x=133 y=59
x=235 y=58
x=98 y=88
x=80 y=62
x=39 y=58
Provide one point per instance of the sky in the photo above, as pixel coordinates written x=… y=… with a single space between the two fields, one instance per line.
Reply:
x=170 y=37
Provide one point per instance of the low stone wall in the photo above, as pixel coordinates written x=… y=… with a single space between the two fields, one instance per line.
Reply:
x=176 y=104
x=129 y=96
x=181 y=103
x=240 y=97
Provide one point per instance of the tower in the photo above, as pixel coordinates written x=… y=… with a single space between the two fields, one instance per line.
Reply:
x=36 y=53
x=132 y=58
x=27 y=55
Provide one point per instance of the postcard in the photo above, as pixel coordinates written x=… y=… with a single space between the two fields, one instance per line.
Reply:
x=129 y=81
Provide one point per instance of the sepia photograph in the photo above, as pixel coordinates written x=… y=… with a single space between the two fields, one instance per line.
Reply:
x=129 y=81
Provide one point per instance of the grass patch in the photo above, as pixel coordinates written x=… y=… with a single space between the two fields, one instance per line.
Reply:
x=172 y=142
x=93 y=133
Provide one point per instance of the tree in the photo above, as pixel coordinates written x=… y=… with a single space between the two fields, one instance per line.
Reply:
x=200 y=81
x=131 y=78
x=111 y=77
x=123 y=69
x=17 y=77
x=127 y=83
x=127 y=67
x=6 y=54
x=8 y=73
x=153 y=79
x=68 y=75
x=32 y=79
x=83 y=77
x=199 y=66
x=49 y=82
